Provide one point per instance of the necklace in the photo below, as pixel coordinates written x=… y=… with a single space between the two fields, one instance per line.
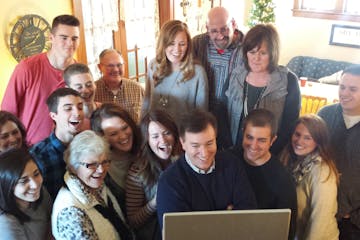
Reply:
x=259 y=97
x=164 y=98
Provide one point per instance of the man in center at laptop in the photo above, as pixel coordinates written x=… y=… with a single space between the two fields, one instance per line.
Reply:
x=202 y=179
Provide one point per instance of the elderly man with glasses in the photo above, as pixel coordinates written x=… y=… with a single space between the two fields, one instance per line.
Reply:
x=112 y=87
x=218 y=50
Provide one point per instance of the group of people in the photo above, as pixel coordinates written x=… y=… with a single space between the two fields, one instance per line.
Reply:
x=216 y=128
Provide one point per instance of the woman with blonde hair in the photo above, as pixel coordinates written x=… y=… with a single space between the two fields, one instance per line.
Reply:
x=174 y=81
x=308 y=158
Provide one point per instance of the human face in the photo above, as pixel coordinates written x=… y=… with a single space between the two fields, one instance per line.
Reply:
x=84 y=84
x=69 y=116
x=302 y=141
x=118 y=133
x=161 y=141
x=10 y=136
x=221 y=31
x=259 y=59
x=176 y=50
x=256 y=144
x=28 y=187
x=112 y=67
x=349 y=94
x=65 y=41
x=200 y=147
x=93 y=178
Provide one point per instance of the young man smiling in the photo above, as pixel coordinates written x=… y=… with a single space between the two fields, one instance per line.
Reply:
x=273 y=186
x=36 y=77
x=202 y=179
x=343 y=121
x=66 y=110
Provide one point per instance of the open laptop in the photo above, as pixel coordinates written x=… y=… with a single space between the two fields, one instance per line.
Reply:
x=269 y=224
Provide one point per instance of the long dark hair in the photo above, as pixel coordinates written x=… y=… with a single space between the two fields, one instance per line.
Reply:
x=7 y=116
x=320 y=134
x=12 y=165
x=151 y=169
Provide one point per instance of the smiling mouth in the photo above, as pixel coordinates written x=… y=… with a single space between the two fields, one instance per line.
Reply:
x=298 y=147
x=165 y=148
x=74 y=123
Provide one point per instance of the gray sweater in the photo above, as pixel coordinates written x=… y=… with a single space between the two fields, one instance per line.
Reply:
x=176 y=96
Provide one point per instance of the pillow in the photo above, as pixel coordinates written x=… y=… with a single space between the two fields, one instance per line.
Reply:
x=332 y=79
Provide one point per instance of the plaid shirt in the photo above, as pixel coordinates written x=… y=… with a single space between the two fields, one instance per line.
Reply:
x=48 y=155
x=130 y=96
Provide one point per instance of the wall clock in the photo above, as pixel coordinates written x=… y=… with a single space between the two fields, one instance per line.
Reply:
x=29 y=36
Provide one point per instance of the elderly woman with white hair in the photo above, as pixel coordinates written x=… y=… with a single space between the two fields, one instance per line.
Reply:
x=85 y=208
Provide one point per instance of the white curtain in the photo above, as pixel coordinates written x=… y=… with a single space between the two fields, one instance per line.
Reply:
x=100 y=20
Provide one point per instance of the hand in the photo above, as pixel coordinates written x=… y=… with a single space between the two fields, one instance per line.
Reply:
x=152 y=202
x=230 y=207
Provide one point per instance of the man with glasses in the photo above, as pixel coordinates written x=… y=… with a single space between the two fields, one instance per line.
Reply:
x=36 y=77
x=112 y=87
x=66 y=110
x=218 y=50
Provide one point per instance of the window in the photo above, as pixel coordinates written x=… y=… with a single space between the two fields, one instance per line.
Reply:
x=347 y=10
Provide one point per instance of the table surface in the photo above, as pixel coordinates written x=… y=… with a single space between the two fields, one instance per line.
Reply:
x=328 y=91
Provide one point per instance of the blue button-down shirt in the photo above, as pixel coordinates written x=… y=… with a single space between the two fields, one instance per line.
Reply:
x=48 y=155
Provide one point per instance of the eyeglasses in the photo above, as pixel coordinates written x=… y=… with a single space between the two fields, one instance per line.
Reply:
x=222 y=31
x=112 y=66
x=94 y=166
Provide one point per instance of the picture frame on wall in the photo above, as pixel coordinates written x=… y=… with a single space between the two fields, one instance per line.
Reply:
x=345 y=35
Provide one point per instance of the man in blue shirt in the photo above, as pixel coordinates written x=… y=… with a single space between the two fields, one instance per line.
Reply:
x=66 y=109
x=202 y=179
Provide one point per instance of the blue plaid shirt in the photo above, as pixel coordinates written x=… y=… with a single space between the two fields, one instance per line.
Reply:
x=48 y=155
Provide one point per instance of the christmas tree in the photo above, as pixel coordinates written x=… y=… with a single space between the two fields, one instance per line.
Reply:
x=262 y=11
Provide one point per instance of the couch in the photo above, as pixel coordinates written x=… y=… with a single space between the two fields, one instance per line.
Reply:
x=315 y=68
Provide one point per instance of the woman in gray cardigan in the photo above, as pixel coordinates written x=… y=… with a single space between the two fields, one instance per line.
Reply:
x=174 y=82
x=261 y=83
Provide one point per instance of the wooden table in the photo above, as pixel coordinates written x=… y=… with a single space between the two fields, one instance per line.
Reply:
x=328 y=91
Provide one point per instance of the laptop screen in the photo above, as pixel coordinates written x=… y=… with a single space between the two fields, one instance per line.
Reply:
x=227 y=225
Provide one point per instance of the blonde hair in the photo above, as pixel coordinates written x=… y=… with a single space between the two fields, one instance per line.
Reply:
x=163 y=65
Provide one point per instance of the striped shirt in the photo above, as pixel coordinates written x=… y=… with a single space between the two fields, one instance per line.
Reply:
x=138 y=206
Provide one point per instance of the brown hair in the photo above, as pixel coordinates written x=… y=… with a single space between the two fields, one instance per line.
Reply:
x=163 y=65
x=320 y=134
x=262 y=33
x=74 y=69
x=65 y=19
x=261 y=118
x=196 y=121
x=151 y=170
x=7 y=116
x=109 y=110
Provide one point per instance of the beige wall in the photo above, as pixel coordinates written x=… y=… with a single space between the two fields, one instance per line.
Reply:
x=9 y=12
x=310 y=37
x=299 y=36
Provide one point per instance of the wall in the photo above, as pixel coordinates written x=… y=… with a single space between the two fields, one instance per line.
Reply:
x=309 y=36
x=9 y=12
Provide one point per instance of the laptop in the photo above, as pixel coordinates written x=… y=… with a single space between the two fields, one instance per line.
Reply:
x=269 y=224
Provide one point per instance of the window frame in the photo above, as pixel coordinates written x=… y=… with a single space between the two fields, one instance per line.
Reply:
x=337 y=14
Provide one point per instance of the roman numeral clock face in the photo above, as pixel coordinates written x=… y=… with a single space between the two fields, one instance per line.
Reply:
x=29 y=36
